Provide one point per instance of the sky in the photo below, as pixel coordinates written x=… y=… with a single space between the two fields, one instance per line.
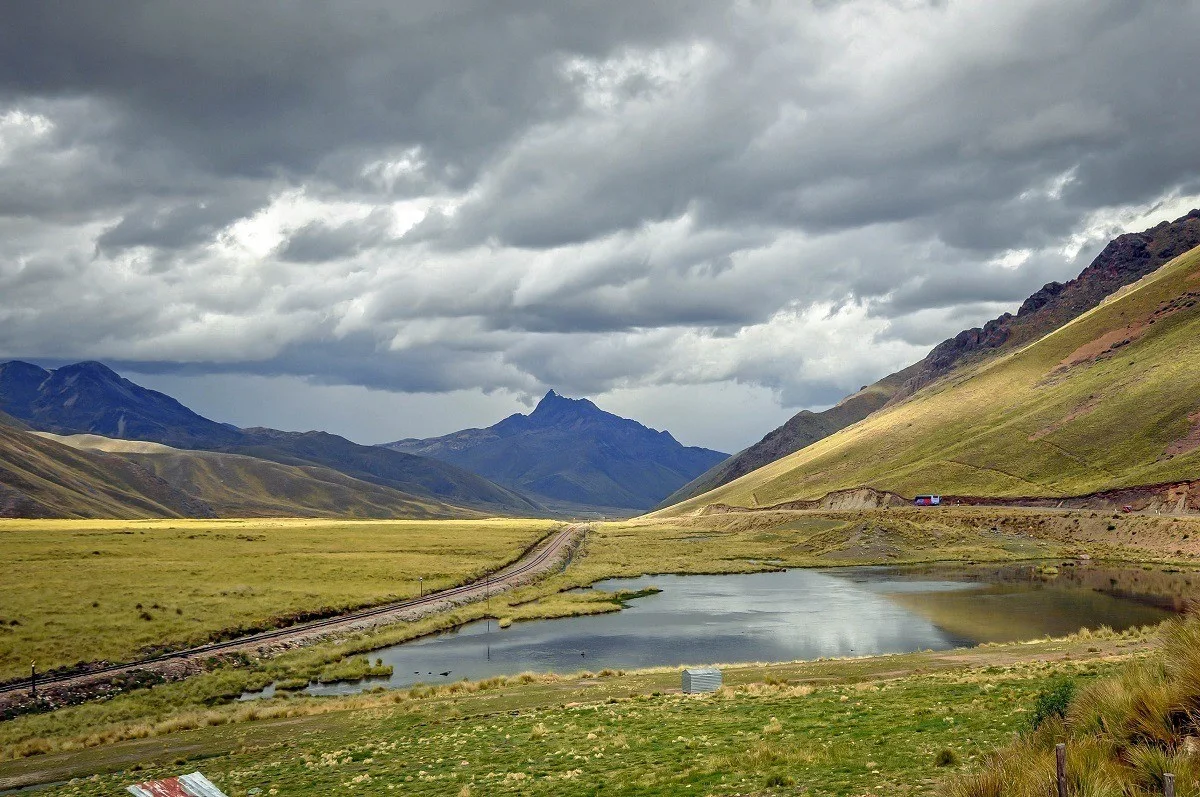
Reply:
x=397 y=220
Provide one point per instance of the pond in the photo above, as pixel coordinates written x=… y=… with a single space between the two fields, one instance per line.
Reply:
x=791 y=615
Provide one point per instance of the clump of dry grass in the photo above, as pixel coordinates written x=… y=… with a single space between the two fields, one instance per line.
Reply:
x=1122 y=734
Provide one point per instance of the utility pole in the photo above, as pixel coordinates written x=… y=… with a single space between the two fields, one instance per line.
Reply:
x=487 y=592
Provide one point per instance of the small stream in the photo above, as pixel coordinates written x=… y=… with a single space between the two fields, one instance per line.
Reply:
x=792 y=615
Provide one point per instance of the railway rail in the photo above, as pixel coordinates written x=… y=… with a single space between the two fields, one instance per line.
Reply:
x=531 y=562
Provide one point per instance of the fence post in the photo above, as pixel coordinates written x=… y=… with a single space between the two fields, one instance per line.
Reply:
x=1060 y=760
x=1169 y=784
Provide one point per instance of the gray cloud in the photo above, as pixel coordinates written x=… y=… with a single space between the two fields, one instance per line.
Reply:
x=434 y=197
x=317 y=241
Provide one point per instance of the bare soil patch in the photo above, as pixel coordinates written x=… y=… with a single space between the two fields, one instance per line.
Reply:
x=1080 y=411
x=1189 y=442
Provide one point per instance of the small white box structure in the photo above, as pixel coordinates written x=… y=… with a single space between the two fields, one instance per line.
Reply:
x=701 y=679
x=193 y=785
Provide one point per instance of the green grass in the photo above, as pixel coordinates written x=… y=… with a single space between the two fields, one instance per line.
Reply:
x=75 y=591
x=878 y=726
x=756 y=541
x=1045 y=420
x=736 y=542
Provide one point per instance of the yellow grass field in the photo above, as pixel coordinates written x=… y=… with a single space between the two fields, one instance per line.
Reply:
x=74 y=591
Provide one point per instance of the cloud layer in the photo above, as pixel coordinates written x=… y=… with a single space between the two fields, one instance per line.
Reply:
x=450 y=196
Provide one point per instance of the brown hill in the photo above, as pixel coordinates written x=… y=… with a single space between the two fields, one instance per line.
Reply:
x=242 y=486
x=44 y=479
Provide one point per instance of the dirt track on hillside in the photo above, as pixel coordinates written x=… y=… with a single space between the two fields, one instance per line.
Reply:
x=1170 y=498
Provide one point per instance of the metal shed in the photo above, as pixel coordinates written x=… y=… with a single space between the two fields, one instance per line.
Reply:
x=193 y=785
x=701 y=679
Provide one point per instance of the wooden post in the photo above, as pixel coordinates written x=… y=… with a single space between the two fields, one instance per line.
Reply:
x=1169 y=784
x=1060 y=759
x=33 y=680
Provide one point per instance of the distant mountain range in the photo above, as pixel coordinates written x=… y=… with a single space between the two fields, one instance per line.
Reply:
x=1123 y=261
x=570 y=453
x=90 y=398
x=106 y=446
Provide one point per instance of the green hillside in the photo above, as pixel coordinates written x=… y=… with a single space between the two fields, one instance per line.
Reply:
x=242 y=486
x=1126 y=259
x=1111 y=399
x=44 y=479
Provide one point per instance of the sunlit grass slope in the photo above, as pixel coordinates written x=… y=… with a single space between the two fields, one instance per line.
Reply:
x=43 y=478
x=86 y=590
x=1110 y=399
x=234 y=485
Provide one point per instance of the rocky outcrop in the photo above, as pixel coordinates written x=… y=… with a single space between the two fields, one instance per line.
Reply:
x=1124 y=261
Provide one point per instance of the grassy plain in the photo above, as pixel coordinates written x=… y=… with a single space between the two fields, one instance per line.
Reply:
x=872 y=726
x=1107 y=400
x=88 y=590
x=754 y=541
x=735 y=542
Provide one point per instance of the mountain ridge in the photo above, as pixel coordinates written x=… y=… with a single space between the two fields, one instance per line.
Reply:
x=91 y=398
x=569 y=451
x=243 y=486
x=1106 y=401
x=1123 y=261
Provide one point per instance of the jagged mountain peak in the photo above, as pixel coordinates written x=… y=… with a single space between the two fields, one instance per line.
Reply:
x=569 y=451
x=556 y=405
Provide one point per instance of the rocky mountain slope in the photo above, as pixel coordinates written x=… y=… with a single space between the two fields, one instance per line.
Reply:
x=570 y=452
x=1123 y=261
x=1108 y=400
x=90 y=398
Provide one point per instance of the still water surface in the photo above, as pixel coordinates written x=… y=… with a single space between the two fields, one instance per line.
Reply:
x=789 y=615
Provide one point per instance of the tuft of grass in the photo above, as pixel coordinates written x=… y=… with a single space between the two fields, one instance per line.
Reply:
x=946 y=757
x=1122 y=734
x=1053 y=702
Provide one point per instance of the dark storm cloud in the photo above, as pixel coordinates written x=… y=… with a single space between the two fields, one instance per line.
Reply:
x=166 y=225
x=442 y=195
x=250 y=89
x=318 y=241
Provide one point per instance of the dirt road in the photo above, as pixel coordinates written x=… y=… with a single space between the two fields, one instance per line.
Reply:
x=550 y=555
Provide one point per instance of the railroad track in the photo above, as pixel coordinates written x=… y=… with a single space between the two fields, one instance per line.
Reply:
x=530 y=563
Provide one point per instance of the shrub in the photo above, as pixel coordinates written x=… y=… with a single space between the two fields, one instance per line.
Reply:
x=776 y=779
x=946 y=758
x=1053 y=702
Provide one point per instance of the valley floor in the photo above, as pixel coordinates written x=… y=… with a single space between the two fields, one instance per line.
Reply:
x=569 y=735
x=888 y=725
